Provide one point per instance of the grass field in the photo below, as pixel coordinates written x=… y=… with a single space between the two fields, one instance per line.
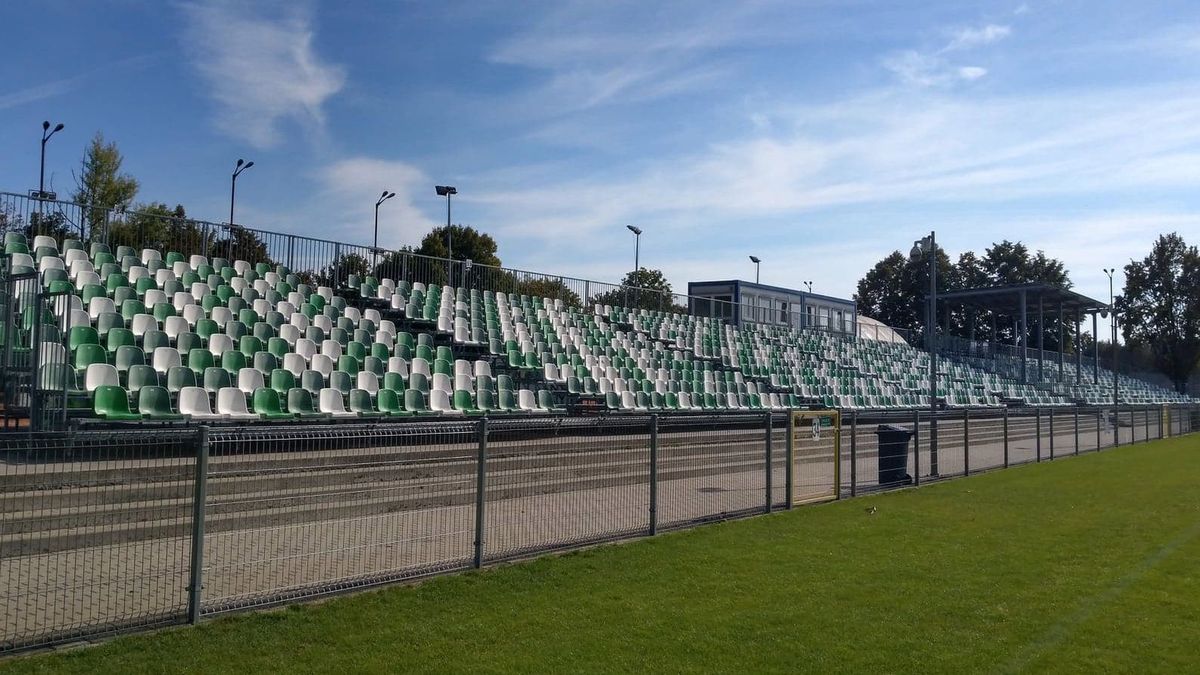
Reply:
x=1082 y=564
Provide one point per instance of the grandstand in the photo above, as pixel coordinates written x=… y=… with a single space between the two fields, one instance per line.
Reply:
x=125 y=335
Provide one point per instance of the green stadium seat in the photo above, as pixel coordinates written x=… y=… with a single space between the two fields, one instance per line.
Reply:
x=110 y=402
x=414 y=402
x=300 y=402
x=265 y=403
x=155 y=402
x=390 y=403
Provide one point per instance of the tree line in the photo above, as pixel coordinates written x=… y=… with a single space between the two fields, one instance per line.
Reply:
x=1158 y=310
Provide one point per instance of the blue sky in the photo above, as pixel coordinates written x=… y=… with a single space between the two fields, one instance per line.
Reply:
x=816 y=135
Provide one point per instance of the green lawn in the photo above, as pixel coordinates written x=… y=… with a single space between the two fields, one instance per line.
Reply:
x=1080 y=565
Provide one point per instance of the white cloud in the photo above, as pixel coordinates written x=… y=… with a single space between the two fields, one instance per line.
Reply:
x=35 y=93
x=595 y=54
x=260 y=67
x=934 y=68
x=927 y=70
x=349 y=190
x=966 y=38
x=890 y=161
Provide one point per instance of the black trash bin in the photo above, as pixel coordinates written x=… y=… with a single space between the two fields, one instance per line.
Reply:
x=893 y=454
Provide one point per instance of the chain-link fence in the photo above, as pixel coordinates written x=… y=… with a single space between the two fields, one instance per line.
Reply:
x=107 y=531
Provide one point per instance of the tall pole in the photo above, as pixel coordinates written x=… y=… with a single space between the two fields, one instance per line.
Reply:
x=637 y=250
x=46 y=135
x=933 y=447
x=238 y=168
x=449 y=242
x=1113 y=325
x=375 y=245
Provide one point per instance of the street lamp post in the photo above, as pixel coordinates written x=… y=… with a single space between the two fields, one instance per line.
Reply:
x=757 y=261
x=927 y=246
x=375 y=245
x=46 y=134
x=447 y=191
x=238 y=168
x=808 y=284
x=637 y=245
x=1112 y=309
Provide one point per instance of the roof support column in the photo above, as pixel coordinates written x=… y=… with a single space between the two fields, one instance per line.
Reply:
x=1023 y=336
x=1041 y=338
x=1079 y=350
x=1062 y=328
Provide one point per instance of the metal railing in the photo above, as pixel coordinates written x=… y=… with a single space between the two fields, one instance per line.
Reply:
x=110 y=531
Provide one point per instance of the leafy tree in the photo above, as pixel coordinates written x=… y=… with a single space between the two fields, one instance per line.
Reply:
x=159 y=227
x=469 y=244
x=894 y=290
x=1161 y=307
x=643 y=288
x=546 y=287
x=336 y=273
x=100 y=185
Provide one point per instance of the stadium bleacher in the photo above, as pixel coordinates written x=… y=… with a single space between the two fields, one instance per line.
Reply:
x=136 y=335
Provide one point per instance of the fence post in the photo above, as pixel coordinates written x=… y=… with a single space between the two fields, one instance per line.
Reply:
x=789 y=469
x=199 y=502
x=1051 y=412
x=1038 y=433
x=854 y=453
x=1006 y=437
x=1099 y=426
x=1076 y=411
x=1116 y=425
x=916 y=448
x=480 y=491
x=769 y=472
x=653 y=475
x=966 y=441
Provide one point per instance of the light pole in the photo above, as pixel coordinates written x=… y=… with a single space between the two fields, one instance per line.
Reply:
x=46 y=134
x=375 y=246
x=757 y=261
x=1112 y=309
x=637 y=244
x=808 y=284
x=447 y=191
x=238 y=168
x=927 y=246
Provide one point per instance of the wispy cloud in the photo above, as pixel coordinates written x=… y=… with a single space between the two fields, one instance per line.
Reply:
x=58 y=87
x=936 y=68
x=593 y=54
x=35 y=93
x=352 y=186
x=260 y=67
x=903 y=155
x=966 y=38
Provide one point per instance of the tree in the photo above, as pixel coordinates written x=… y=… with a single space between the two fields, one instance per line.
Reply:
x=1161 y=307
x=100 y=185
x=469 y=244
x=643 y=288
x=894 y=290
x=546 y=287
x=159 y=227
x=336 y=273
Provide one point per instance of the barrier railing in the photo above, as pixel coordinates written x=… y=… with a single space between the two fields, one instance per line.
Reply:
x=118 y=530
